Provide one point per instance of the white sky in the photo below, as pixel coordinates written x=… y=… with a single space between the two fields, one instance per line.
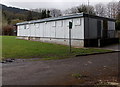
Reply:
x=60 y=4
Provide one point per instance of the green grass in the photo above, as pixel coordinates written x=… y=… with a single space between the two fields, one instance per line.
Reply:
x=15 y=48
x=78 y=75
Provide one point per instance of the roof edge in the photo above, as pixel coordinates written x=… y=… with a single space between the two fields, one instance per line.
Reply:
x=52 y=19
x=64 y=17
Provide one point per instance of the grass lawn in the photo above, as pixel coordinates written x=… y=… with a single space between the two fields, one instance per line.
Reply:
x=15 y=48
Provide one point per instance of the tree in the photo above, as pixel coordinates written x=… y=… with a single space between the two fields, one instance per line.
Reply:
x=118 y=25
x=55 y=13
x=66 y=12
x=100 y=9
x=81 y=8
x=43 y=14
x=112 y=9
x=118 y=18
x=74 y=10
x=48 y=14
x=14 y=21
x=7 y=30
x=29 y=16
x=4 y=20
x=118 y=15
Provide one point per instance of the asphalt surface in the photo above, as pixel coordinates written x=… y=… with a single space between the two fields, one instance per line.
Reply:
x=115 y=47
x=102 y=67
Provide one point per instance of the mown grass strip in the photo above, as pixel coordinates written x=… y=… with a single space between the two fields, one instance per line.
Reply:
x=16 y=48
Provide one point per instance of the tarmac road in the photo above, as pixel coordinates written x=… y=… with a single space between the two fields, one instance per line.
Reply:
x=59 y=72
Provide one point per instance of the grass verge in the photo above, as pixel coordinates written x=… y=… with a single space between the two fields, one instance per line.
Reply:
x=15 y=48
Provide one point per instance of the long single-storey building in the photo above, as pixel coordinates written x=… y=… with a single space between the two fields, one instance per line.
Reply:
x=87 y=30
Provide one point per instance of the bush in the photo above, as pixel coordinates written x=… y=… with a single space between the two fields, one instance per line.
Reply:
x=118 y=25
x=7 y=30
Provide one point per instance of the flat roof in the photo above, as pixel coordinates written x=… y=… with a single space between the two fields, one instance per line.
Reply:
x=78 y=15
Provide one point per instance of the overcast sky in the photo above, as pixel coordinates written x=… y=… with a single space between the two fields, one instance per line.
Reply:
x=60 y=4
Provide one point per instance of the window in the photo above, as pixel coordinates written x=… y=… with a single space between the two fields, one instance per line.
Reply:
x=54 y=24
x=77 y=22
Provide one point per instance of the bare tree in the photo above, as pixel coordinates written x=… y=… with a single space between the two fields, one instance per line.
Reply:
x=52 y=12
x=118 y=15
x=55 y=12
x=79 y=9
x=67 y=11
x=86 y=9
x=112 y=9
x=70 y=11
x=74 y=10
x=100 y=9
x=37 y=10
x=119 y=7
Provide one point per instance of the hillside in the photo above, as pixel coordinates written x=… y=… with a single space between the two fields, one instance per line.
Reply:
x=13 y=15
x=13 y=9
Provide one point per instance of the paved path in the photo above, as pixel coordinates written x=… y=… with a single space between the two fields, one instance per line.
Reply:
x=115 y=47
x=57 y=72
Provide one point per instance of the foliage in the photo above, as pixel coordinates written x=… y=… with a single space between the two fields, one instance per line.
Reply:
x=55 y=12
x=118 y=16
x=7 y=30
x=29 y=16
x=112 y=9
x=13 y=9
x=15 y=48
x=50 y=12
x=76 y=75
x=100 y=9
x=4 y=21
x=81 y=8
x=11 y=14
x=13 y=22
x=45 y=14
x=86 y=9
x=118 y=25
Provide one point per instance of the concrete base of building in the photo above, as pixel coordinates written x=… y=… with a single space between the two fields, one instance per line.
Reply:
x=62 y=41
x=100 y=42
x=74 y=42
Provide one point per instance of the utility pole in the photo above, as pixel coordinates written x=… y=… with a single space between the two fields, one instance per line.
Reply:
x=88 y=16
x=70 y=27
x=88 y=7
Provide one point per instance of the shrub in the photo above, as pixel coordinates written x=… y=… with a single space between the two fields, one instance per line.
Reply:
x=7 y=30
x=118 y=25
